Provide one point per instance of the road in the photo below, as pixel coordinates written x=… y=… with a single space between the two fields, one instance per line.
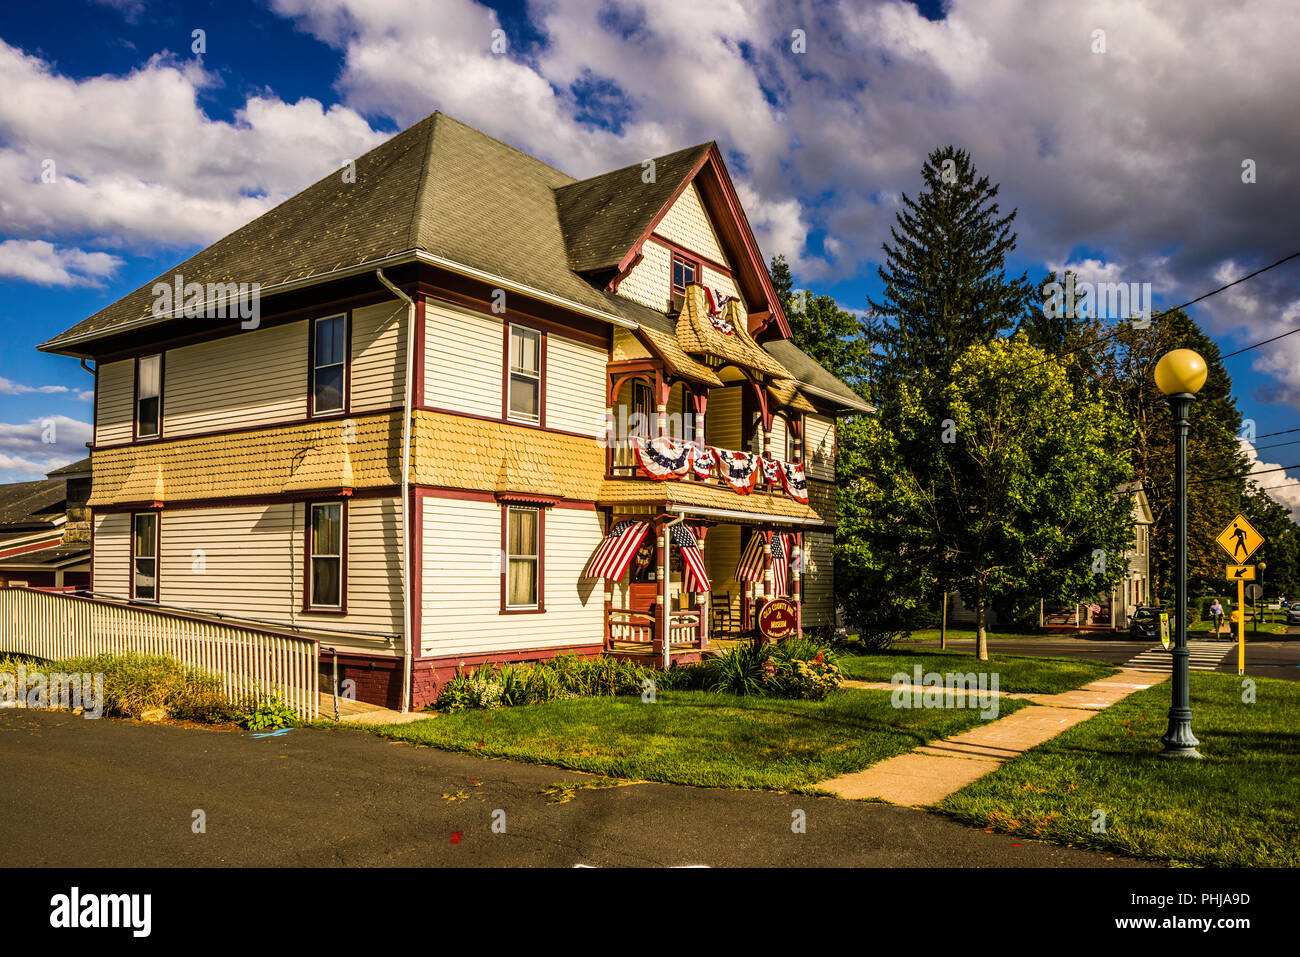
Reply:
x=1274 y=657
x=117 y=793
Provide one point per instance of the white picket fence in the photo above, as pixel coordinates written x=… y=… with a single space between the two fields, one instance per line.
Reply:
x=247 y=660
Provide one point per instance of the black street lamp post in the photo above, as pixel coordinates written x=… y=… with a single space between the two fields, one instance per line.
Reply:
x=1179 y=375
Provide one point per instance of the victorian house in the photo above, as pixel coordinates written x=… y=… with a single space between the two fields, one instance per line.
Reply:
x=483 y=411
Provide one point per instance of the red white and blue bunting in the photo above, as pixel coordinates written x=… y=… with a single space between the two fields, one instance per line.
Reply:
x=738 y=469
x=794 y=481
x=705 y=461
x=664 y=458
x=717 y=310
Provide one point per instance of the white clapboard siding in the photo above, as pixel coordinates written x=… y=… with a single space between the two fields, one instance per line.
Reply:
x=780 y=434
x=461 y=587
x=721 y=555
x=575 y=386
x=248 y=561
x=687 y=224
x=722 y=426
x=818 y=581
x=114 y=402
x=720 y=282
x=819 y=453
x=378 y=355
x=650 y=282
x=112 y=554
x=463 y=359
x=251 y=378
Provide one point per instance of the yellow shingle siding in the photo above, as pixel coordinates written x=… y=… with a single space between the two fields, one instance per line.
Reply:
x=788 y=395
x=679 y=361
x=456 y=452
x=313 y=455
x=760 y=504
x=696 y=334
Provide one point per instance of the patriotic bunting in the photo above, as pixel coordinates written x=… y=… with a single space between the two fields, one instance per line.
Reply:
x=695 y=577
x=704 y=461
x=753 y=561
x=738 y=469
x=717 y=310
x=663 y=458
x=616 y=551
x=771 y=470
x=794 y=481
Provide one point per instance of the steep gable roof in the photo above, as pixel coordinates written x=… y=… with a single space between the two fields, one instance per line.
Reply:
x=606 y=216
x=32 y=505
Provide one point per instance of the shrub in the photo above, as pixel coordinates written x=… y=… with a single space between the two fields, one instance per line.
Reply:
x=270 y=714
x=793 y=668
x=564 y=676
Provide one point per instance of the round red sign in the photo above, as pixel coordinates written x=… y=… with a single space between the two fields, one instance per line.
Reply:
x=778 y=619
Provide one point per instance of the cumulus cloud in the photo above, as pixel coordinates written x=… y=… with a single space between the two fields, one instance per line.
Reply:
x=1280 y=486
x=45 y=264
x=10 y=387
x=30 y=449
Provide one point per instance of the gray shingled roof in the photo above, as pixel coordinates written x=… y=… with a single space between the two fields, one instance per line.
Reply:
x=32 y=506
x=451 y=191
x=79 y=467
x=809 y=372
x=603 y=217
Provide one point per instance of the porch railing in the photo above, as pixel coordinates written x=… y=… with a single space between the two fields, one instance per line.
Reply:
x=684 y=627
x=246 y=660
x=623 y=464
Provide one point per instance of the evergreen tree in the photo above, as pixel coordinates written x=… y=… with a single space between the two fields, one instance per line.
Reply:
x=944 y=273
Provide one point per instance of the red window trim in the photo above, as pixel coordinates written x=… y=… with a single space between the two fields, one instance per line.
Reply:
x=312 y=414
x=541 y=375
x=540 y=608
x=672 y=263
x=307 y=606
x=135 y=396
x=157 y=559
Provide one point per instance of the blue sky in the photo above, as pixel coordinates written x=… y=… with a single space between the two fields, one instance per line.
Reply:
x=1124 y=163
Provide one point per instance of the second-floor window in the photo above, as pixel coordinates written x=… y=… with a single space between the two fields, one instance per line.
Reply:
x=685 y=271
x=148 y=396
x=524 y=399
x=329 y=365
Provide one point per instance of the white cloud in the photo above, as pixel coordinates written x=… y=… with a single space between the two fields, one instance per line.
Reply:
x=30 y=449
x=10 y=387
x=45 y=264
x=1281 y=487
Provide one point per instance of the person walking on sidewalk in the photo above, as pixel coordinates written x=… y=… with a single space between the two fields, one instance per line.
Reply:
x=1216 y=613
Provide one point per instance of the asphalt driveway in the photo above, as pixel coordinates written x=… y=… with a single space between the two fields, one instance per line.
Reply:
x=75 y=792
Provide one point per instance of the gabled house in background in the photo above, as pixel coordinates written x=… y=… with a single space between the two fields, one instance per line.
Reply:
x=45 y=530
x=488 y=412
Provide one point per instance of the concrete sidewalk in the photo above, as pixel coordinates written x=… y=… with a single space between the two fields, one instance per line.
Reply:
x=929 y=774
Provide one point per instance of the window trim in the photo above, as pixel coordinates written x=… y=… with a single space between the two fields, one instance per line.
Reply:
x=307 y=598
x=346 y=408
x=157 y=557
x=506 y=372
x=685 y=258
x=506 y=607
x=135 y=397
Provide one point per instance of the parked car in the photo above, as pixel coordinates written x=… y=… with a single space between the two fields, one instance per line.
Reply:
x=1144 y=624
x=1293 y=615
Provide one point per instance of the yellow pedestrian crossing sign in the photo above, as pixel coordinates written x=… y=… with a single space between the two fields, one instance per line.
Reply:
x=1239 y=539
x=1240 y=573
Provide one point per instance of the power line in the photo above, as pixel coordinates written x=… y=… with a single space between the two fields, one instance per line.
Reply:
x=1269 y=435
x=1276 y=445
x=1258 y=344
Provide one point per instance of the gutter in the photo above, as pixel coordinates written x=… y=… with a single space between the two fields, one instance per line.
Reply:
x=406 y=478
x=417 y=255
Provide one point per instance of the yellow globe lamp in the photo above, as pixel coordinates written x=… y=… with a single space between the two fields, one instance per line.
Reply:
x=1181 y=372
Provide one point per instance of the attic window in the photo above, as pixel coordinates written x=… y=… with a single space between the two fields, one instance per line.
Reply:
x=685 y=272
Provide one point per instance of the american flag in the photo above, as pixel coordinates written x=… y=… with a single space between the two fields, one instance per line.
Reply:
x=611 y=559
x=753 y=561
x=781 y=563
x=695 y=576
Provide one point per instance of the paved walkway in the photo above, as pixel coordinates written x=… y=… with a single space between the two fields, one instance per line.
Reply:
x=359 y=712
x=929 y=774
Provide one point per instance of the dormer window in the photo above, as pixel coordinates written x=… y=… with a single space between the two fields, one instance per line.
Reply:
x=685 y=272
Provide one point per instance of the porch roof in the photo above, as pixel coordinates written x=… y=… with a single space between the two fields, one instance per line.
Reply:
x=702 y=498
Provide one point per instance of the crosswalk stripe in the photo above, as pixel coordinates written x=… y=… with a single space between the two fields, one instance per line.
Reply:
x=1202 y=656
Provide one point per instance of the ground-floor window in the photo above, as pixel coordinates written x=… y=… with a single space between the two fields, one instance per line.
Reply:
x=522 y=576
x=144 y=556
x=325 y=543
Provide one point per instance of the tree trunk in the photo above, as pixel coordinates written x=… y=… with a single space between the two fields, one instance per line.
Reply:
x=943 y=623
x=981 y=629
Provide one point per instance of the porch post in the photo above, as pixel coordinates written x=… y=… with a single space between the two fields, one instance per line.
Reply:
x=797 y=585
x=701 y=602
x=662 y=643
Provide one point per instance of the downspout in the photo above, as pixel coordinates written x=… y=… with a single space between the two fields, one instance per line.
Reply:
x=668 y=590
x=406 y=477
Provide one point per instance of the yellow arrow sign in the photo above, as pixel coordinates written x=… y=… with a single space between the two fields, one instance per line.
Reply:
x=1239 y=539
x=1245 y=573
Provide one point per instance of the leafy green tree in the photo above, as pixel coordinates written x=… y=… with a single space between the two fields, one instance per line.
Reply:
x=831 y=335
x=1001 y=483
x=944 y=273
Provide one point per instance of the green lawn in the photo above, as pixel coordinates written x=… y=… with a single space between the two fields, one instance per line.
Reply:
x=694 y=737
x=1015 y=674
x=968 y=632
x=1238 y=807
